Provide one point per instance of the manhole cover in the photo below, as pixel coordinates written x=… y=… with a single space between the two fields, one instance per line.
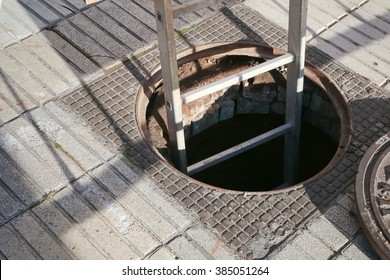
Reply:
x=373 y=195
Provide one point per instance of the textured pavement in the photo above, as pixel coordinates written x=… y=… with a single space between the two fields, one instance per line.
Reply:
x=67 y=114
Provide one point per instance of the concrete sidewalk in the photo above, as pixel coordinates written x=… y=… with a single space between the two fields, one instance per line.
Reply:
x=66 y=189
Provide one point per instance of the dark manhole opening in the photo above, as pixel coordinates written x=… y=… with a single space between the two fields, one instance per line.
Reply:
x=260 y=168
x=229 y=117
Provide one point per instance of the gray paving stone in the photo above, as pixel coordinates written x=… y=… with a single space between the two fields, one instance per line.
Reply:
x=80 y=247
x=162 y=254
x=185 y=250
x=22 y=14
x=376 y=8
x=111 y=26
x=92 y=226
x=291 y=252
x=154 y=195
x=357 y=250
x=129 y=21
x=374 y=22
x=276 y=12
x=40 y=70
x=60 y=6
x=119 y=217
x=25 y=161
x=6 y=38
x=312 y=246
x=23 y=78
x=101 y=36
x=145 y=16
x=359 y=53
x=39 y=238
x=13 y=247
x=334 y=8
x=12 y=26
x=348 y=60
x=361 y=41
x=211 y=243
x=81 y=129
x=79 y=4
x=18 y=183
x=63 y=168
x=9 y=205
x=72 y=55
x=54 y=59
x=323 y=229
x=90 y=47
x=342 y=220
x=64 y=141
x=6 y=112
x=14 y=96
x=149 y=215
x=45 y=13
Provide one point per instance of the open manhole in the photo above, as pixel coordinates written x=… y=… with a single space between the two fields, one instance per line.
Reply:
x=373 y=195
x=229 y=117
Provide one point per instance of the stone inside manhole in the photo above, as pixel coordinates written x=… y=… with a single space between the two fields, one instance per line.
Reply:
x=229 y=117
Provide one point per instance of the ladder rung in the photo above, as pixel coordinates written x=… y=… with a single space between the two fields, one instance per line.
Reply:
x=192 y=6
x=238 y=77
x=238 y=149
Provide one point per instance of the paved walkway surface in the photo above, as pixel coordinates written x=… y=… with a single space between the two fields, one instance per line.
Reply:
x=67 y=190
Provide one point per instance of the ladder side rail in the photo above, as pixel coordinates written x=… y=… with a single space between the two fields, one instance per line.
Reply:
x=173 y=102
x=238 y=77
x=238 y=149
x=193 y=6
x=294 y=90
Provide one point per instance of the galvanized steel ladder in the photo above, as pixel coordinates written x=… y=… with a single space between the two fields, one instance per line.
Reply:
x=294 y=59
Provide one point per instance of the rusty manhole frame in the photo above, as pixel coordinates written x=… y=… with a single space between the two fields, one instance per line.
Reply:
x=338 y=100
x=369 y=197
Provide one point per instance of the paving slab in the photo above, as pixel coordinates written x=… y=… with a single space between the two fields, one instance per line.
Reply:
x=111 y=27
x=10 y=205
x=64 y=71
x=13 y=247
x=22 y=15
x=11 y=26
x=63 y=167
x=39 y=238
x=20 y=184
x=163 y=254
x=80 y=129
x=7 y=113
x=186 y=250
x=45 y=12
x=105 y=39
x=24 y=79
x=103 y=236
x=27 y=162
x=323 y=229
x=89 y=47
x=72 y=55
x=149 y=214
x=112 y=209
x=71 y=237
x=358 y=250
x=47 y=76
x=77 y=151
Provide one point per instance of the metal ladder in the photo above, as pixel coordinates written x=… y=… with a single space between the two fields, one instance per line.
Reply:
x=294 y=59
